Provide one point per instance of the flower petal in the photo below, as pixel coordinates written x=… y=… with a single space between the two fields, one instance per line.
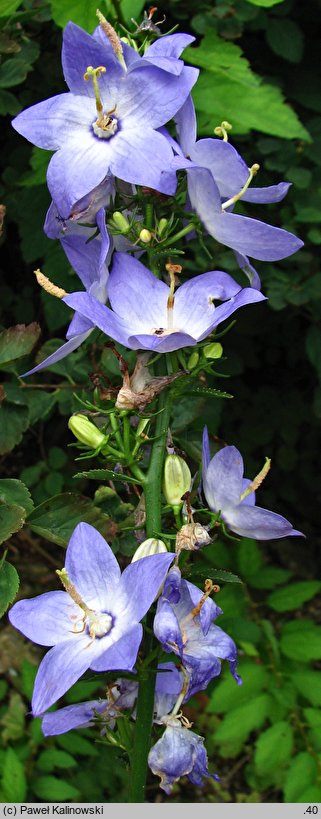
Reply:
x=139 y=155
x=160 y=344
x=136 y=295
x=47 y=619
x=151 y=95
x=258 y=523
x=140 y=583
x=223 y=479
x=61 y=668
x=100 y=316
x=65 y=719
x=80 y=50
x=59 y=354
x=122 y=655
x=78 y=167
x=48 y=123
x=92 y=566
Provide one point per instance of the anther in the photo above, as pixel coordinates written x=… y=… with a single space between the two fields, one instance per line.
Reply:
x=252 y=172
x=48 y=286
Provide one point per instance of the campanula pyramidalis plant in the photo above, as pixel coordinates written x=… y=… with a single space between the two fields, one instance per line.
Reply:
x=130 y=178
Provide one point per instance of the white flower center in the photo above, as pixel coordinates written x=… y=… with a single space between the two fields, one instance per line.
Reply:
x=99 y=624
x=105 y=127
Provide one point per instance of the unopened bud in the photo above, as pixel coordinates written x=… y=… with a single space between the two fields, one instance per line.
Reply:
x=192 y=536
x=151 y=546
x=145 y=236
x=193 y=360
x=214 y=350
x=161 y=227
x=121 y=222
x=141 y=426
x=177 y=480
x=86 y=432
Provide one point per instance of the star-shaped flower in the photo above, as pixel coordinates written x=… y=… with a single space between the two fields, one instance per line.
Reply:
x=107 y=125
x=146 y=315
x=227 y=492
x=95 y=622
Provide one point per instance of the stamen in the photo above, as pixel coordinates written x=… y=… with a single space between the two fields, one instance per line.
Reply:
x=182 y=692
x=257 y=480
x=222 y=129
x=94 y=74
x=252 y=172
x=48 y=286
x=112 y=37
x=172 y=269
x=209 y=587
x=72 y=591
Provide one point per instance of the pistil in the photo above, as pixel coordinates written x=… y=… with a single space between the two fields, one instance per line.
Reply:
x=252 y=172
x=105 y=125
x=257 y=480
x=172 y=270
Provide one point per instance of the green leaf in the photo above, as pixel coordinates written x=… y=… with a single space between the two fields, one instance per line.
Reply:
x=249 y=558
x=308 y=683
x=51 y=789
x=14 y=420
x=293 y=596
x=9 y=584
x=28 y=673
x=39 y=163
x=229 y=89
x=301 y=641
x=273 y=748
x=285 y=38
x=83 y=14
x=14 y=781
x=53 y=758
x=270 y=576
x=204 y=570
x=17 y=341
x=209 y=392
x=310 y=795
x=227 y=695
x=16 y=493
x=106 y=475
x=56 y=518
x=13 y=72
x=238 y=723
x=12 y=519
x=13 y=720
x=266 y=4
x=75 y=743
x=8 y=103
x=7 y=7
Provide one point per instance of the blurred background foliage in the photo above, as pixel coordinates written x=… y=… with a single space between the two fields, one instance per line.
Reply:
x=260 y=69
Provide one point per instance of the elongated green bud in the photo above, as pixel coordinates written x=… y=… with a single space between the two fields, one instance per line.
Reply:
x=161 y=227
x=151 y=546
x=86 y=432
x=121 y=222
x=193 y=360
x=177 y=480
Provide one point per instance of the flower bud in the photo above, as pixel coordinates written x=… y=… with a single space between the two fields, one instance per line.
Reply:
x=177 y=480
x=151 y=546
x=193 y=360
x=86 y=432
x=161 y=227
x=145 y=236
x=214 y=350
x=121 y=222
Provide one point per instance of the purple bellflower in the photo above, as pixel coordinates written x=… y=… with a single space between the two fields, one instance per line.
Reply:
x=95 y=622
x=184 y=625
x=216 y=177
x=227 y=492
x=121 y=695
x=179 y=752
x=108 y=124
x=89 y=257
x=146 y=315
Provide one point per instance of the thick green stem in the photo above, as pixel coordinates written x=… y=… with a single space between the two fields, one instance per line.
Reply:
x=146 y=691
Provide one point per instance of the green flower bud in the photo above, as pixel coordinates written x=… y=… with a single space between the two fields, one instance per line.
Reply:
x=86 y=432
x=162 y=225
x=121 y=222
x=214 y=350
x=151 y=546
x=177 y=480
x=193 y=360
x=145 y=236
x=141 y=426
